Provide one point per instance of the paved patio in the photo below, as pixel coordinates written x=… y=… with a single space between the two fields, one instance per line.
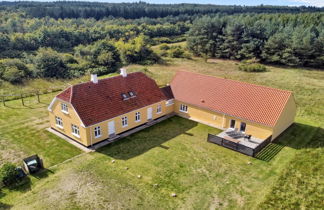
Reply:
x=239 y=138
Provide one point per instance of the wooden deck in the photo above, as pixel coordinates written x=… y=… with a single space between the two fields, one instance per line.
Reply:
x=236 y=141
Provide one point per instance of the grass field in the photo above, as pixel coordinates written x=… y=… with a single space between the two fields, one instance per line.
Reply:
x=203 y=175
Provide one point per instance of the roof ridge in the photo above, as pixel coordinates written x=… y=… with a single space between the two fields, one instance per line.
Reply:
x=82 y=83
x=238 y=81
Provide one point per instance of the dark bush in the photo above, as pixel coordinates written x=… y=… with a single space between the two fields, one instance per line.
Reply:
x=8 y=174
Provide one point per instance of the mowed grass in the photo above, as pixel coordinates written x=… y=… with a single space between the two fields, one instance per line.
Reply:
x=170 y=157
x=22 y=133
x=174 y=155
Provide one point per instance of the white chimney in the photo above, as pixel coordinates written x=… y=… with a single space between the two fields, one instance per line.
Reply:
x=94 y=78
x=123 y=72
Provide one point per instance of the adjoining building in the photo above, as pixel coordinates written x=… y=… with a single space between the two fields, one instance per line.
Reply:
x=94 y=111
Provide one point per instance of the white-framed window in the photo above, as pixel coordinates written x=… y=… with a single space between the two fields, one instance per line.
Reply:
x=64 y=108
x=75 y=130
x=159 y=109
x=97 y=131
x=131 y=94
x=169 y=102
x=124 y=96
x=59 y=122
x=137 y=116
x=183 y=108
x=124 y=121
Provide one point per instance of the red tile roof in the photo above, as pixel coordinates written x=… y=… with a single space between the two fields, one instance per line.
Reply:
x=251 y=102
x=95 y=103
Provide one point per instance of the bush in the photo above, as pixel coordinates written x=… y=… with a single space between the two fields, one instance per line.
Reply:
x=14 y=70
x=164 y=47
x=8 y=174
x=13 y=75
x=254 y=67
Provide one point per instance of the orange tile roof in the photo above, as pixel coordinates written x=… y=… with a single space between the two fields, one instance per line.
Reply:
x=95 y=103
x=251 y=102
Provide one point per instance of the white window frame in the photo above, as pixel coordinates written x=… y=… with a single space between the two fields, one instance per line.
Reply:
x=137 y=116
x=75 y=130
x=97 y=132
x=124 y=121
x=183 y=108
x=59 y=122
x=64 y=108
x=169 y=102
x=159 y=109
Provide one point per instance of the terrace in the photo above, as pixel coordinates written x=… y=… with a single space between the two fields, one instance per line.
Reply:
x=239 y=141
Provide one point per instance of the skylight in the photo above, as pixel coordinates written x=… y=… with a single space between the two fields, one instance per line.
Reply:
x=131 y=94
x=124 y=96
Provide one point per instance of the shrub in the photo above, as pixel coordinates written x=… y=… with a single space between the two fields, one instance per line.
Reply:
x=254 y=67
x=176 y=52
x=164 y=47
x=14 y=70
x=13 y=75
x=8 y=174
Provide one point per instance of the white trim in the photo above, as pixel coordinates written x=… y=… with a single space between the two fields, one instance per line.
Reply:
x=64 y=108
x=181 y=108
x=99 y=130
x=159 y=109
x=49 y=108
x=59 y=126
x=76 y=135
x=124 y=119
x=169 y=102
x=139 y=117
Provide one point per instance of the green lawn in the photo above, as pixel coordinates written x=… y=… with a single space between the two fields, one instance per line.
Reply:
x=22 y=133
x=203 y=175
x=174 y=155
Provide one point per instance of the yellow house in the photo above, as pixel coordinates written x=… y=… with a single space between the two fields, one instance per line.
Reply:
x=101 y=109
x=259 y=111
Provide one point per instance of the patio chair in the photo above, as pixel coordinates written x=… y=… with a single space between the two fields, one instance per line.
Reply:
x=248 y=137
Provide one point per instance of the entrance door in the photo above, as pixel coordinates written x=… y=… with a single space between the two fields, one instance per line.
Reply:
x=232 y=125
x=111 y=128
x=149 y=113
x=243 y=126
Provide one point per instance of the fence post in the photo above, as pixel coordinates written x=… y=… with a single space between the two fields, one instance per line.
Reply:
x=37 y=93
x=22 y=99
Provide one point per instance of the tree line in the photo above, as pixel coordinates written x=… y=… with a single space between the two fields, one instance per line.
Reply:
x=288 y=39
x=61 y=47
x=70 y=9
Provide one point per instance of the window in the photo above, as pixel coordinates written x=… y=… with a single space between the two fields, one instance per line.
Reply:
x=137 y=116
x=183 y=108
x=243 y=126
x=131 y=94
x=64 y=108
x=169 y=102
x=59 y=122
x=75 y=130
x=124 y=96
x=97 y=131
x=232 y=125
x=159 y=109
x=124 y=121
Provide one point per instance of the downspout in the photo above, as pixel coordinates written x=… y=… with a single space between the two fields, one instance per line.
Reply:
x=90 y=136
